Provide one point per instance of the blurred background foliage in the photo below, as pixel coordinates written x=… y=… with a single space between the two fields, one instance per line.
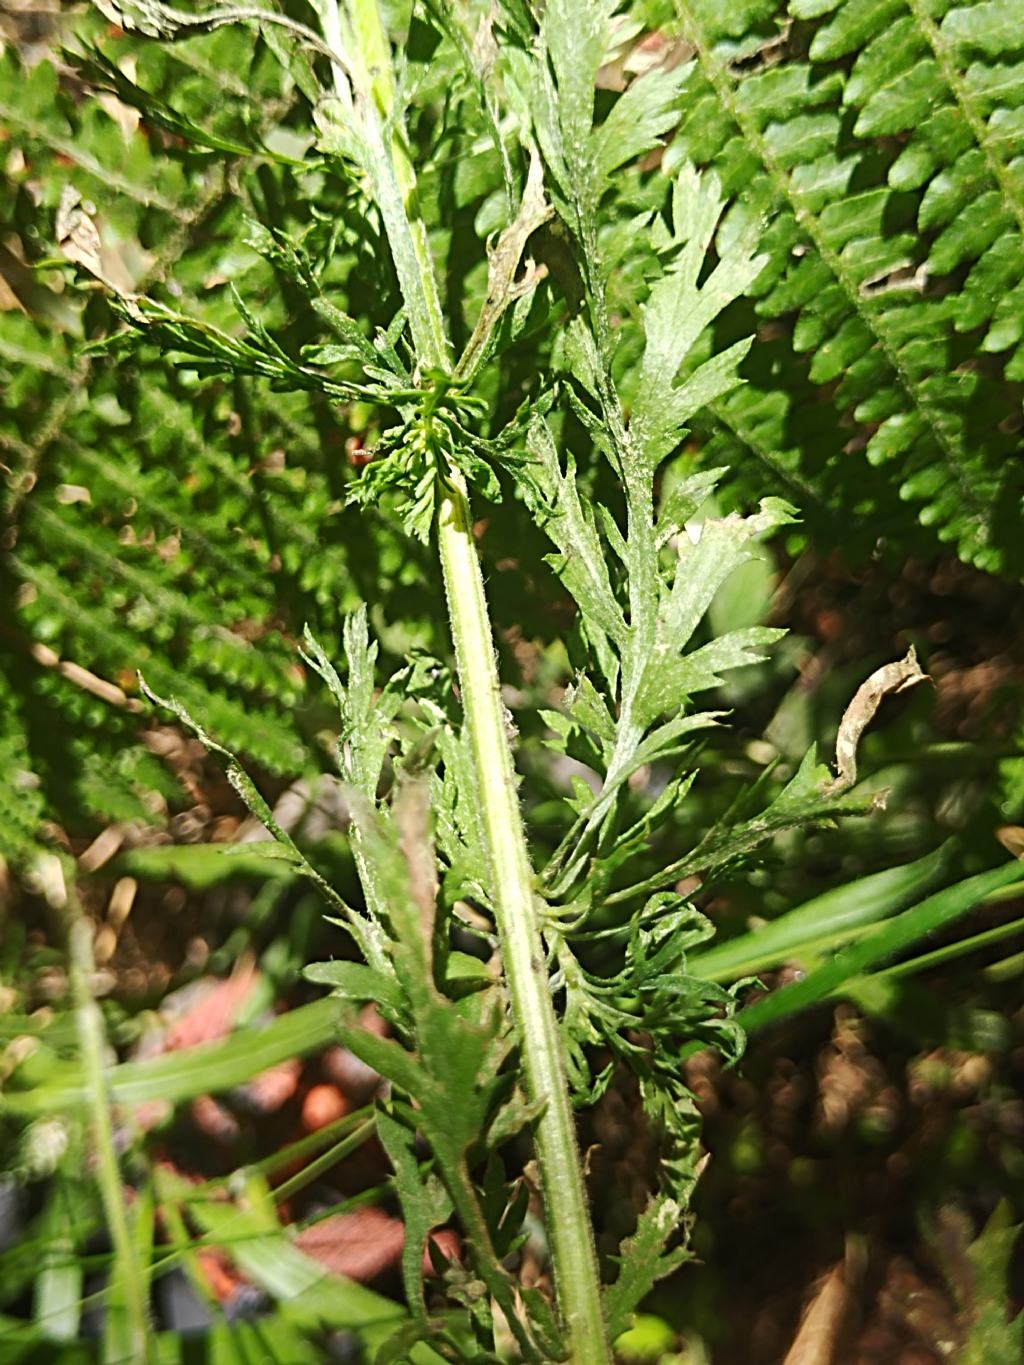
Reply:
x=154 y=521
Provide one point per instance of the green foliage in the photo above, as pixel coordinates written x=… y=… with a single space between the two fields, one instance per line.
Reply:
x=978 y=1271
x=177 y=1076
x=881 y=172
x=878 y=146
x=643 y=1261
x=467 y=270
x=823 y=922
x=114 y=559
x=842 y=972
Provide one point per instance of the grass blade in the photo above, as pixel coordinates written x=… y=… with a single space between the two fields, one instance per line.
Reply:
x=890 y=938
x=822 y=922
x=183 y=1075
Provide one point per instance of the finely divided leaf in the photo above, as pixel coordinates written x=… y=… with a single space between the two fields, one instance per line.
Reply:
x=644 y=1258
x=574 y=40
x=424 y=1200
x=367 y=721
x=581 y=563
x=676 y=313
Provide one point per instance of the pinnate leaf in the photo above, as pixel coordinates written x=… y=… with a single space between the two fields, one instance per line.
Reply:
x=644 y=1258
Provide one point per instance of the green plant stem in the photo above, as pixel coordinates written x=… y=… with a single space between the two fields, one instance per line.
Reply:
x=335 y=1153
x=91 y=1041
x=568 y=1220
x=394 y=183
x=573 y=1254
x=467 y=1207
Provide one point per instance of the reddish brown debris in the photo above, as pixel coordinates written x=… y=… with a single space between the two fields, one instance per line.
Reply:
x=366 y=1243
x=323 y=1104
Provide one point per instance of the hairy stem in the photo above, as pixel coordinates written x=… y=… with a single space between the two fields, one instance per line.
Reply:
x=394 y=183
x=570 y=1236
x=568 y=1221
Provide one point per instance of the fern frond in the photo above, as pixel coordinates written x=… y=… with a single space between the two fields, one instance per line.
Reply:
x=872 y=139
x=114 y=558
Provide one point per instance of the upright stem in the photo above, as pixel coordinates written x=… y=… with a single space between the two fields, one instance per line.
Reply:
x=394 y=184
x=565 y=1203
x=570 y=1237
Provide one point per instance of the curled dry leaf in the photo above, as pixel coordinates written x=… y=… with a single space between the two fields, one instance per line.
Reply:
x=1012 y=839
x=884 y=682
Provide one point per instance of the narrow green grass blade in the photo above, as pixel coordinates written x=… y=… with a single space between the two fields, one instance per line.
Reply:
x=57 y=1293
x=951 y=951
x=78 y=1219
x=292 y=1154
x=890 y=938
x=272 y=1340
x=1007 y=969
x=821 y=923
x=194 y=1071
x=184 y=1256
x=58 y=1030
x=127 y=1329
x=141 y=1215
x=335 y=1153
x=201 y=866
